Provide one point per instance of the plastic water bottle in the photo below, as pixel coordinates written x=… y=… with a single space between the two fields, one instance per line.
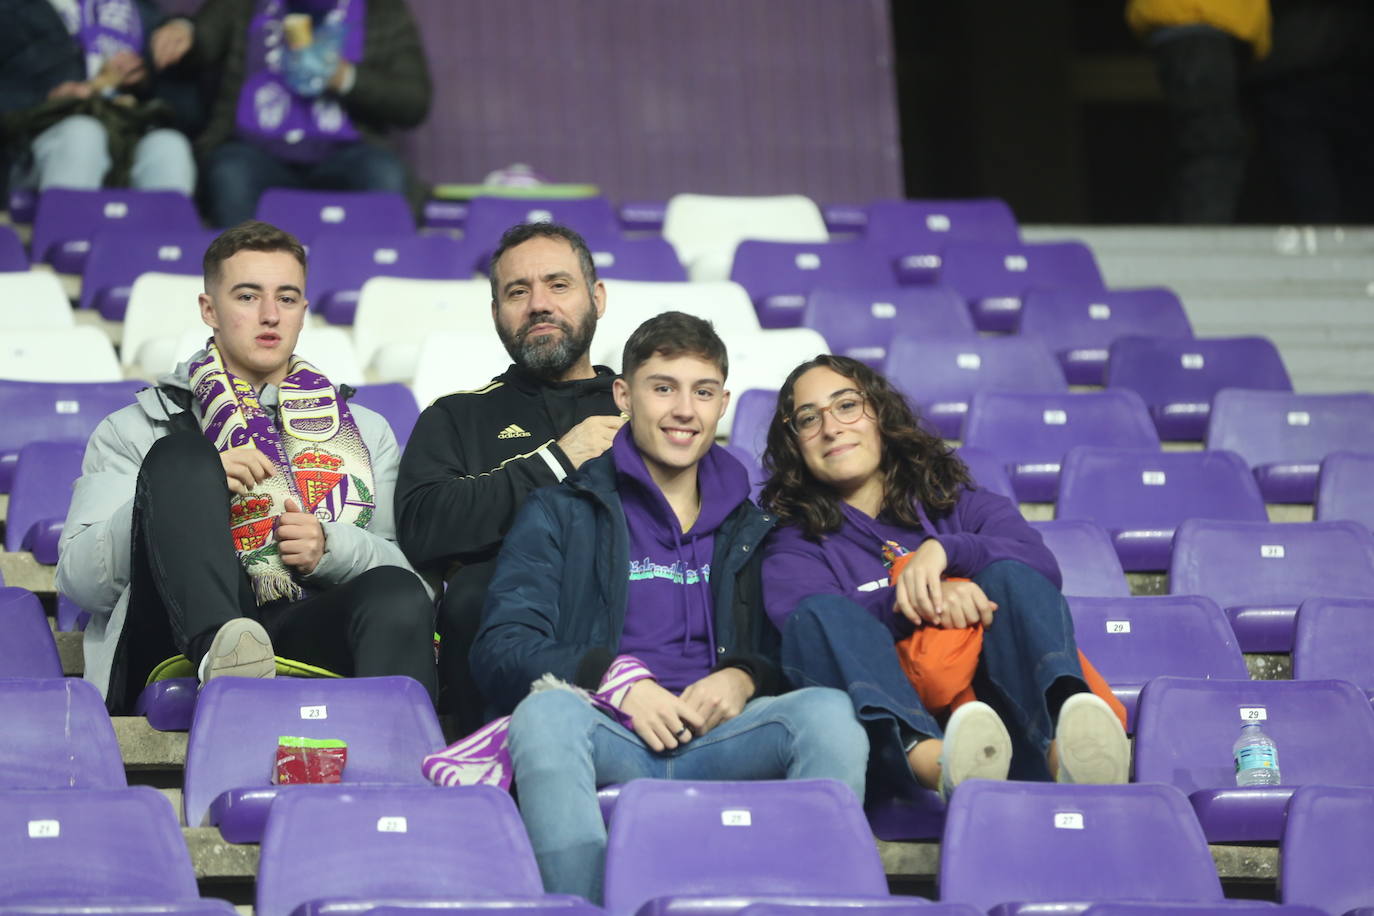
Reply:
x=1257 y=759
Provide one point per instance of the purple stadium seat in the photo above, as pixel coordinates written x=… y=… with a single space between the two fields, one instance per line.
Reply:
x=169 y=705
x=780 y=275
x=27 y=648
x=1343 y=490
x=859 y=322
x=96 y=851
x=987 y=471
x=889 y=906
x=678 y=846
x=394 y=401
x=1216 y=908
x=642 y=215
x=1023 y=847
x=12 y=254
x=340 y=263
x=388 y=722
x=941 y=376
x=67 y=220
x=308 y=214
x=71 y=617
x=1178 y=377
x=993 y=277
x=915 y=232
x=1261 y=571
x=420 y=848
x=118 y=256
x=1141 y=496
x=54 y=411
x=751 y=464
x=1284 y=436
x=40 y=495
x=488 y=217
x=57 y=736
x=1324 y=856
x=1032 y=432
x=652 y=260
x=1332 y=639
x=845 y=218
x=1131 y=640
x=22 y=203
x=754 y=411
x=1087 y=558
x=1185 y=727
x=1080 y=325
x=445 y=214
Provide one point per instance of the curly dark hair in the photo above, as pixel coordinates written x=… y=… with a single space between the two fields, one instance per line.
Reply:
x=917 y=465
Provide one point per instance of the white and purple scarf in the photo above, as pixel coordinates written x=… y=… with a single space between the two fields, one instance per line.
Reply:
x=103 y=28
x=320 y=457
x=269 y=114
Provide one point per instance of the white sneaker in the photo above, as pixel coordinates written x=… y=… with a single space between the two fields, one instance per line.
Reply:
x=241 y=648
x=976 y=746
x=1092 y=744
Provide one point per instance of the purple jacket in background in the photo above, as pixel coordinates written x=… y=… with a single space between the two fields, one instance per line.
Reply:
x=668 y=609
x=982 y=528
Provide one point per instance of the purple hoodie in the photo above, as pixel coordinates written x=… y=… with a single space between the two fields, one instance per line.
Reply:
x=982 y=529
x=668 y=608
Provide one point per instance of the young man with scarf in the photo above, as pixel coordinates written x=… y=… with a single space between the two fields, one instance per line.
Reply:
x=632 y=590
x=300 y=107
x=242 y=507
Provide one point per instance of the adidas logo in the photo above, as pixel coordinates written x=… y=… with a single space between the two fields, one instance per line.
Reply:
x=512 y=432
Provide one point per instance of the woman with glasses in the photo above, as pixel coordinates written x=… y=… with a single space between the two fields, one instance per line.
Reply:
x=884 y=532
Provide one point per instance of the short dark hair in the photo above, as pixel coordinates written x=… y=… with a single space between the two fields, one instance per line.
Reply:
x=253 y=235
x=670 y=335
x=521 y=233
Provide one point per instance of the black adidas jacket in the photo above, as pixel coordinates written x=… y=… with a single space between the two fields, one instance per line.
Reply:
x=474 y=456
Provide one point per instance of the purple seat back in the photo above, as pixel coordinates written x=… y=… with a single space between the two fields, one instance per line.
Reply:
x=1216 y=908
x=1040 y=842
x=54 y=411
x=751 y=464
x=754 y=411
x=118 y=257
x=1080 y=324
x=653 y=260
x=780 y=275
x=1140 y=497
x=1261 y=571
x=1131 y=640
x=1343 y=490
x=890 y=906
x=12 y=254
x=914 y=232
x=394 y=401
x=489 y=217
x=940 y=376
x=445 y=214
x=97 y=847
x=642 y=215
x=859 y=322
x=340 y=263
x=67 y=220
x=776 y=838
x=57 y=736
x=1087 y=558
x=1178 y=377
x=40 y=495
x=1332 y=640
x=993 y=277
x=307 y=214
x=413 y=842
x=1032 y=432
x=1185 y=727
x=1325 y=850
x=27 y=648
x=388 y=722
x=1284 y=436
x=547 y=905
x=988 y=472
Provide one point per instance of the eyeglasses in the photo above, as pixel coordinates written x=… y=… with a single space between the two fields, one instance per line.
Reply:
x=846 y=407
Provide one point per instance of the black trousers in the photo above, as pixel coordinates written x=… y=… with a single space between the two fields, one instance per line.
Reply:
x=460 y=616
x=186 y=581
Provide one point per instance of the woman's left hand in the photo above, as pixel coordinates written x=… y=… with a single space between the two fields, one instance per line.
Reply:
x=919 y=596
x=965 y=605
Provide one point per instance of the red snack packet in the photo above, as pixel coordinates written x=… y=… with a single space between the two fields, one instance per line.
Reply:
x=309 y=760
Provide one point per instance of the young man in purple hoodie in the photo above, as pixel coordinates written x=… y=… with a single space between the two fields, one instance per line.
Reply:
x=637 y=581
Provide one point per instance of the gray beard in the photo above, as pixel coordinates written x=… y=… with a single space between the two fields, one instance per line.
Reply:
x=550 y=359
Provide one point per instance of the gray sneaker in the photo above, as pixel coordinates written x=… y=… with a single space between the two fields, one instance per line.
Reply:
x=241 y=648
x=1092 y=744
x=977 y=746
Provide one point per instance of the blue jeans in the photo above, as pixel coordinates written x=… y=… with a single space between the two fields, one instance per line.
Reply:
x=236 y=174
x=74 y=153
x=1028 y=667
x=562 y=749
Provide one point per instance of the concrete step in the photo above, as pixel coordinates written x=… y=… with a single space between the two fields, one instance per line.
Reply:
x=147 y=751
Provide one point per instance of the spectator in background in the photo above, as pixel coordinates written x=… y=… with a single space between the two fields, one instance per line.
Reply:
x=79 y=108
x=301 y=95
x=1200 y=49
